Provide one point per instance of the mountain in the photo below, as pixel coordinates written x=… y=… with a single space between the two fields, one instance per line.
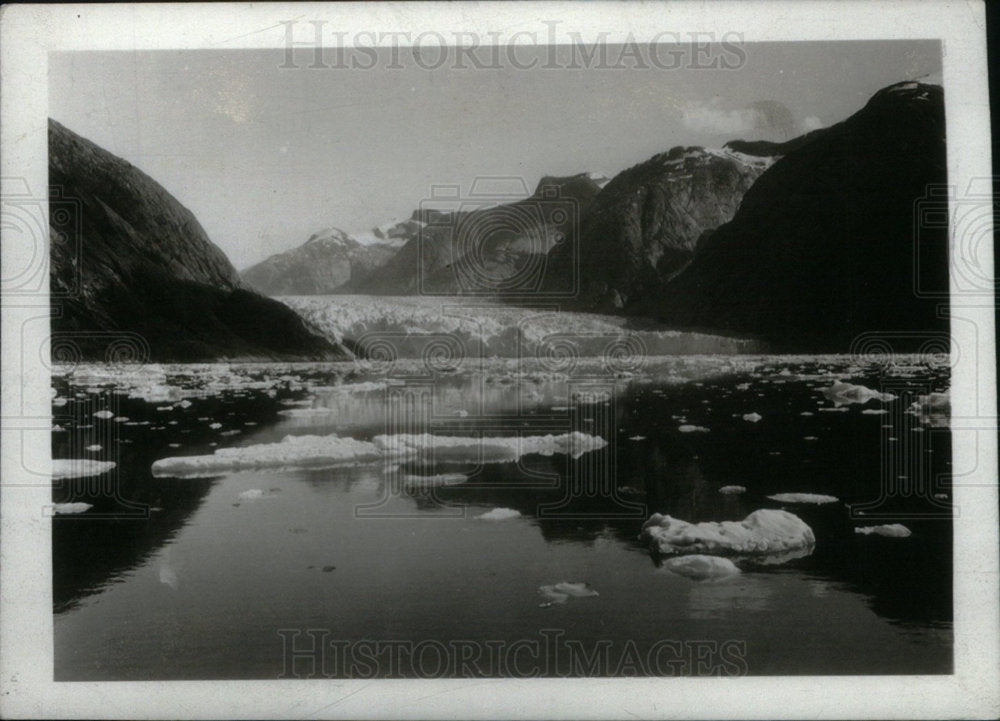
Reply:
x=484 y=246
x=645 y=224
x=128 y=260
x=324 y=264
x=824 y=245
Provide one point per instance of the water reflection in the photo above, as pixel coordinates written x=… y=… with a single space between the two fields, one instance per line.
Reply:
x=590 y=507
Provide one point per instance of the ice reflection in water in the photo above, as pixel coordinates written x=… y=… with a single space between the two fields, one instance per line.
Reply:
x=209 y=578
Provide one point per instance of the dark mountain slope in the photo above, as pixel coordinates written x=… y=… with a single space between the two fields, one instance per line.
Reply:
x=483 y=246
x=324 y=264
x=823 y=247
x=135 y=261
x=644 y=225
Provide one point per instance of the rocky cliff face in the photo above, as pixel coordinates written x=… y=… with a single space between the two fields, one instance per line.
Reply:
x=643 y=227
x=483 y=247
x=328 y=263
x=136 y=262
x=823 y=246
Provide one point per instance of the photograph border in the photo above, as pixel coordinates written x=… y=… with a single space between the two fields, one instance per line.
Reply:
x=29 y=32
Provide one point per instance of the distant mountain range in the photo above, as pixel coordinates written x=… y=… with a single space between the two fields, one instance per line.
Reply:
x=803 y=244
x=327 y=263
x=137 y=266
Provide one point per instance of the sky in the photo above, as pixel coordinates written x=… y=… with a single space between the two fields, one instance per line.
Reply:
x=265 y=155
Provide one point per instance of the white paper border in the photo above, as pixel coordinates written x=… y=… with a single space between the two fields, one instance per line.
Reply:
x=28 y=32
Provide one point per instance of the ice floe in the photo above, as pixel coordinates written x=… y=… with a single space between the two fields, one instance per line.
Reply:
x=816 y=498
x=563 y=591
x=79 y=467
x=67 y=508
x=104 y=414
x=499 y=514
x=438 y=479
x=332 y=450
x=846 y=393
x=891 y=530
x=486 y=449
x=763 y=532
x=752 y=417
x=699 y=567
x=95 y=447
x=874 y=411
x=732 y=490
x=933 y=409
x=688 y=428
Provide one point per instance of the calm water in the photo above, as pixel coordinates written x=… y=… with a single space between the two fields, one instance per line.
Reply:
x=203 y=578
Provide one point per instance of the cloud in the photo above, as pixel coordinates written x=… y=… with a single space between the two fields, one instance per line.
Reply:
x=712 y=119
x=811 y=123
x=764 y=119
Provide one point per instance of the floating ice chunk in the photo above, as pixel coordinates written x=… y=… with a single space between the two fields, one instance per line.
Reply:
x=215 y=425
x=763 y=532
x=810 y=438
x=561 y=592
x=816 y=498
x=165 y=408
x=332 y=450
x=79 y=467
x=462 y=413
x=846 y=393
x=732 y=490
x=121 y=419
x=752 y=417
x=310 y=412
x=891 y=530
x=807 y=413
x=292 y=452
x=344 y=388
x=688 y=428
x=874 y=411
x=251 y=495
x=941 y=496
x=230 y=433
x=95 y=447
x=486 y=449
x=58 y=429
x=104 y=414
x=702 y=568
x=440 y=479
x=64 y=508
x=743 y=386
x=499 y=514
x=637 y=438
x=182 y=404
x=305 y=402
x=933 y=409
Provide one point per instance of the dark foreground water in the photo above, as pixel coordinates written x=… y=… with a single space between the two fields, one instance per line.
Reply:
x=365 y=570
